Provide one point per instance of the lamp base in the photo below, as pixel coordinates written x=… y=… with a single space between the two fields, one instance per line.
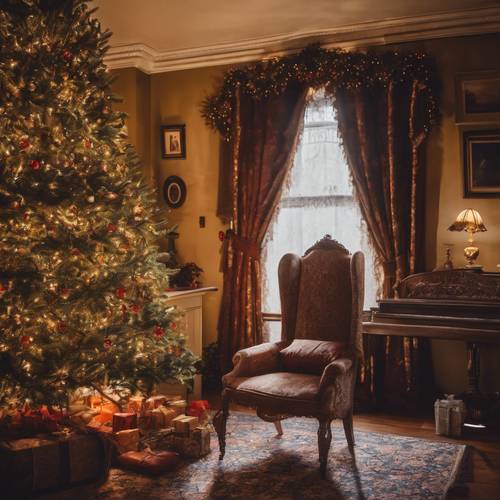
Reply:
x=471 y=254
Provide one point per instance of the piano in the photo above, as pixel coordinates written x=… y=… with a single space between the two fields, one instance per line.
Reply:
x=452 y=304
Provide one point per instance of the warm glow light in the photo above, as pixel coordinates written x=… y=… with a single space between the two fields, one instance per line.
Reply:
x=469 y=220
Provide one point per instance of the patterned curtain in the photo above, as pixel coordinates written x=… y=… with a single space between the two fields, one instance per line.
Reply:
x=255 y=164
x=383 y=131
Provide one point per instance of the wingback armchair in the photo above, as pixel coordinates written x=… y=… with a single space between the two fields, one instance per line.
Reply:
x=311 y=372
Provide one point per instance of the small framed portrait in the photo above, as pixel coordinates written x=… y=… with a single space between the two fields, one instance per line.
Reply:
x=481 y=158
x=174 y=191
x=173 y=141
x=478 y=97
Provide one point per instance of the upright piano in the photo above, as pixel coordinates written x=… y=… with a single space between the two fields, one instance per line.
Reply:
x=450 y=304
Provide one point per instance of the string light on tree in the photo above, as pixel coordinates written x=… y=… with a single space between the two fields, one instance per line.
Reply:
x=78 y=299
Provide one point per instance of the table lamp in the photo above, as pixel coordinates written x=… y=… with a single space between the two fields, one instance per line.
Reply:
x=469 y=220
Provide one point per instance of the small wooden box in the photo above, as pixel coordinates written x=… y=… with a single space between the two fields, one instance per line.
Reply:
x=48 y=463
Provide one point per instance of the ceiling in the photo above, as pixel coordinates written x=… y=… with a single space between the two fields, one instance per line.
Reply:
x=205 y=32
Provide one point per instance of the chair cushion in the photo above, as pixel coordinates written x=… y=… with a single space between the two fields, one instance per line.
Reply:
x=310 y=356
x=280 y=384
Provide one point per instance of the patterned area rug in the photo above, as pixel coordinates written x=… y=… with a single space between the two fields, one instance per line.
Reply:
x=260 y=465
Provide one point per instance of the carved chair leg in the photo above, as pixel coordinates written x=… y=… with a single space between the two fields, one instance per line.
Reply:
x=220 y=420
x=348 y=430
x=279 y=429
x=324 y=441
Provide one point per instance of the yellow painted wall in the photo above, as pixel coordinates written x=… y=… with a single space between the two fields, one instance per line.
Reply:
x=133 y=86
x=445 y=199
x=175 y=98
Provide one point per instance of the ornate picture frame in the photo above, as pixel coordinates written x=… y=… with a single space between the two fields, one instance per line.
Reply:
x=478 y=97
x=173 y=142
x=481 y=163
x=174 y=191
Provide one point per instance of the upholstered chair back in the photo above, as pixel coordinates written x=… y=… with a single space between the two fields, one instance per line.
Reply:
x=322 y=294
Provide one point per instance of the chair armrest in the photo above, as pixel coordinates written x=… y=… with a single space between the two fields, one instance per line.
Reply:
x=256 y=360
x=334 y=370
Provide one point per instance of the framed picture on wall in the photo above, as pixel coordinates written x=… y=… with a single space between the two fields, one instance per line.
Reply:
x=478 y=97
x=481 y=159
x=174 y=191
x=173 y=141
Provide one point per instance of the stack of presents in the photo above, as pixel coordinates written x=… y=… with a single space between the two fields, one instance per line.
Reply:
x=46 y=450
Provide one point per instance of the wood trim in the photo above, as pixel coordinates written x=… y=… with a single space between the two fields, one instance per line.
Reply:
x=387 y=31
x=432 y=331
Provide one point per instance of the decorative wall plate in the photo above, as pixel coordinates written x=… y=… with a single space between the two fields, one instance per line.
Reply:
x=174 y=191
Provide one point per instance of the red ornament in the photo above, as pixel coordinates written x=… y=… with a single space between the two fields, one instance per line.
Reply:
x=65 y=293
x=24 y=143
x=222 y=235
x=111 y=228
x=173 y=326
x=61 y=326
x=158 y=332
x=107 y=343
x=3 y=288
x=67 y=56
x=87 y=143
x=35 y=164
x=25 y=341
x=120 y=292
x=135 y=309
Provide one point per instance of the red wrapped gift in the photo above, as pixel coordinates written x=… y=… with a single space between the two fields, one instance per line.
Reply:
x=152 y=464
x=198 y=408
x=42 y=420
x=124 y=421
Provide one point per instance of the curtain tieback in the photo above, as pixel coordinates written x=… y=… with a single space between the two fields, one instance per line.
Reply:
x=246 y=246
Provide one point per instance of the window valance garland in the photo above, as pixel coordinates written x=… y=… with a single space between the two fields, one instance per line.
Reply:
x=316 y=67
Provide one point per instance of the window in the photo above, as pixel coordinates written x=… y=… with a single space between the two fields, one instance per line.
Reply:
x=317 y=200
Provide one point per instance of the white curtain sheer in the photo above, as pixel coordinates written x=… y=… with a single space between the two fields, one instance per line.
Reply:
x=318 y=200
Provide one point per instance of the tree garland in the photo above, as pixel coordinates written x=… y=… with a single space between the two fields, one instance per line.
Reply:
x=316 y=68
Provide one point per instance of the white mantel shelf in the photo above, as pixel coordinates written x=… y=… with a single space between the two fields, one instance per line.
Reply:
x=192 y=292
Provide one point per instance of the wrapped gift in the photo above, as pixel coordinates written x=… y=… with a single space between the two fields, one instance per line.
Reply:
x=158 y=419
x=135 y=404
x=106 y=412
x=168 y=415
x=194 y=446
x=147 y=462
x=31 y=465
x=200 y=408
x=96 y=426
x=127 y=440
x=449 y=414
x=145 y=422
x=155 y=401
x=123 y=421
x=179 y=406
x=184 y=424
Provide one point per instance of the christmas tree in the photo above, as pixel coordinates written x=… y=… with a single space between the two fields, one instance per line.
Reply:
x=82 y=298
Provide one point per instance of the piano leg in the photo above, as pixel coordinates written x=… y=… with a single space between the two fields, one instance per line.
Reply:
x=473 y=367
x=477 y=404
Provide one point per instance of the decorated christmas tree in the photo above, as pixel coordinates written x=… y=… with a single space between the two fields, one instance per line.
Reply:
x=82 y=298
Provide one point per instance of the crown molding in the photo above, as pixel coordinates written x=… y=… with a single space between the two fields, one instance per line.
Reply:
x=388 y=31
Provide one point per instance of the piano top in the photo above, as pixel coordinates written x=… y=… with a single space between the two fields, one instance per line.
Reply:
x=449 y=304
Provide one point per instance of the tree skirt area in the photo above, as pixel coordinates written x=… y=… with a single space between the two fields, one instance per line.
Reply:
x=260 y=465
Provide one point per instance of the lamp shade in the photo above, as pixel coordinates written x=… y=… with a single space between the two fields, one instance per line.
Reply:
x=468 y=220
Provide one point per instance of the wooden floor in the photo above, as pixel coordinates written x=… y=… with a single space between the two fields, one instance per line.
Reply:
x=484 y=448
